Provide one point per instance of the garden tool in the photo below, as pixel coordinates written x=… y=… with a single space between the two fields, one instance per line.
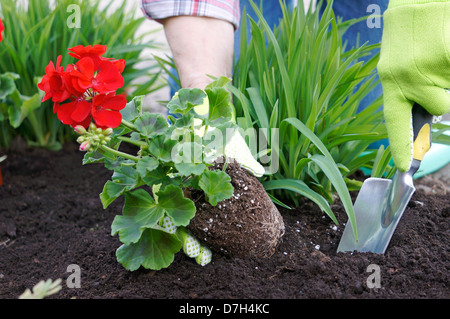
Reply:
x=381 y=202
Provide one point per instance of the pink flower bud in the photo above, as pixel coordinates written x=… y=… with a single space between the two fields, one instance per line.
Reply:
x=108 y=131
x=80 y=129
x=85 y=146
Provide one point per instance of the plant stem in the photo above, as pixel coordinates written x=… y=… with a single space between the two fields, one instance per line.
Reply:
x=119 y=153
x=129 y=125
x=131 y=141
x=225 y=164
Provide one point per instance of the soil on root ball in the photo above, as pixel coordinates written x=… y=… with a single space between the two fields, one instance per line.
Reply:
x=247 y=224
x=51 y=217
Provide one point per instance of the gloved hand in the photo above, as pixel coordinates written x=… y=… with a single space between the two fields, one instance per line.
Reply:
x=414 y=67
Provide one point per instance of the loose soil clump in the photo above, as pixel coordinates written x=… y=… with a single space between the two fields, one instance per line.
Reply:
x=51 y=217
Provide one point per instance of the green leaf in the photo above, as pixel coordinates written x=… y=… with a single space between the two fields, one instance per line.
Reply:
x=151 y=124
x=139 y=212
x=110 y=192
x=133 y=109
x=125 y=178
x=187 y=169
x=7 y=84
x=303 y=189
x=216 y=185
x=155 y=250
x=221 y=81
x=302 y=128
x=185 y=121
x=146 y=164
x=157 y=176
x=188 y=152
x=161 y=147
x=92 y=157
x=18 y=113
x=332 y=172
x=219 y=104
x=178 y=207
x=185 y=100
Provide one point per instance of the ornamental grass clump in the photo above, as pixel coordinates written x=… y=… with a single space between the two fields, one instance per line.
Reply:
x=156 y=161
x=301 y=82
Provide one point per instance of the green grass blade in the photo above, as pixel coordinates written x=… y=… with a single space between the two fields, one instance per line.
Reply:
x=301 y=188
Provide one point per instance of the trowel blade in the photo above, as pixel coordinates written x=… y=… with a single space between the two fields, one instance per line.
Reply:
x=369 y=206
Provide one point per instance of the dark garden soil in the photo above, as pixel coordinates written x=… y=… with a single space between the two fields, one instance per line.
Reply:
x=51 y=217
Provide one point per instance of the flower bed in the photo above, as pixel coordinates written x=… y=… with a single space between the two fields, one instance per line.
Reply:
x=51 y=217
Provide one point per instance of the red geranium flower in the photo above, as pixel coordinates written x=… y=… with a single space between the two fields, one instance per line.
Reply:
x=104 y=79
x=105 y=110
x=53 y=82
x=2 y=27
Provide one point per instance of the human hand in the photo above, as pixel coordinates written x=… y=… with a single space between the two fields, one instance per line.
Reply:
x=414 y=67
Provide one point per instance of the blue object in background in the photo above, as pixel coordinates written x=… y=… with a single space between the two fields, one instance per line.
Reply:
x=368 y=31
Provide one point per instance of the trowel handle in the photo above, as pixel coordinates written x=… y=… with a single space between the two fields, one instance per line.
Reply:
x=422 y=121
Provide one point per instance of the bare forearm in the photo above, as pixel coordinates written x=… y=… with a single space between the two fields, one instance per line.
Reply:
x=201 y=46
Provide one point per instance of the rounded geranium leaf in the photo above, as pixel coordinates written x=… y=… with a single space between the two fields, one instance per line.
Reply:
x=216 y=185
x=139 y=213
x=185 y=99
x=178 y=207
x=155 y=250
x=151 y=124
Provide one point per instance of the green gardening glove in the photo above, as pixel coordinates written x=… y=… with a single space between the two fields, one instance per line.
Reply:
x=414 y=67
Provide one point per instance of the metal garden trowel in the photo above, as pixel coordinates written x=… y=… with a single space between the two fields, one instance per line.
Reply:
x=381 y=202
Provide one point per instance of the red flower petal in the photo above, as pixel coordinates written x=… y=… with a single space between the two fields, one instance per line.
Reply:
x=105 y=118
x=53 y=83
x=81 y=51
x=83 y=74
x=86 y=67
x=120 y=64
x=64 y=112
x=68 y=77
x=2 y=27
x=108 y=78
x=82 y=110
x=105 y=110
x=92 y=52
x=116 y=102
